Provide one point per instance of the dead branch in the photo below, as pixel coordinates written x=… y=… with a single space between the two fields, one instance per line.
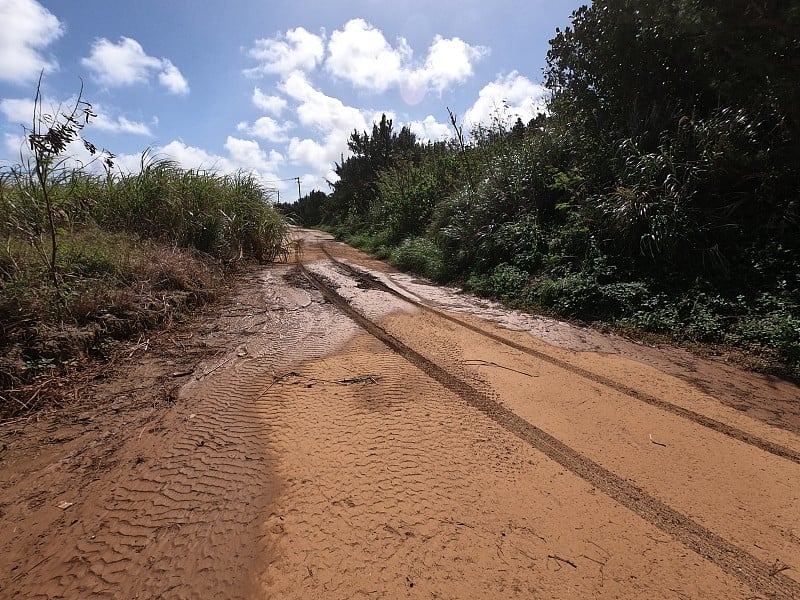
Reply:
x=486 y=363
x=655 y=442
x=777 y=568
x=556 y=557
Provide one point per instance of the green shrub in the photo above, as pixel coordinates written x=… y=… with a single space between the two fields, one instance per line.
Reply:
x=418 y=255
x=506 y=282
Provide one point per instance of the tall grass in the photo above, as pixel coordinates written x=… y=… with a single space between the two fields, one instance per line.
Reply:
x=94 y=216
x=228 y=216
x=133 y=250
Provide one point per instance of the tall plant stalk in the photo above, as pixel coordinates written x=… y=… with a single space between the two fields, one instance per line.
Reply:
x=49 y=136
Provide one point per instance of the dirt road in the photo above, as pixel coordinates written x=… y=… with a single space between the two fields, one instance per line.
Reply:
x=340 y=430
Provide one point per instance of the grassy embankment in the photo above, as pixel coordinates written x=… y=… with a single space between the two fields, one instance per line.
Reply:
x=131 y=252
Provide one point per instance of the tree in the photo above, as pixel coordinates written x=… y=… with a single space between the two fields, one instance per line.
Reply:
x=371 y=154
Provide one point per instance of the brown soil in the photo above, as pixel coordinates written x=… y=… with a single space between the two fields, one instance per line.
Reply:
x=340 y=430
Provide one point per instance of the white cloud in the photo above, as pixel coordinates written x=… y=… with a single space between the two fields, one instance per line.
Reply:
x=430 y=130
x=20 y=111
x=323 y=113
x=297 y=50
x=506 y=98
x=329 y=117
x=450 y=61
x=361 y=55
x=266 y=128
x=126 y=63
x=248 y=155
x=120 y=64
x=27 y=29
x=309 y=152
x=172 y=79
x=119 y=125
x=13 y=145
x=270 y=104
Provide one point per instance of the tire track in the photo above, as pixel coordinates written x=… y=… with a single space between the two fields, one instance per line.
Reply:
x=685 y=413
x=183 y=516
x=733 y=560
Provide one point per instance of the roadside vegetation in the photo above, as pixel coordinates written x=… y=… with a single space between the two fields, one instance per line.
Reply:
x=659 y=191
x=90 y=256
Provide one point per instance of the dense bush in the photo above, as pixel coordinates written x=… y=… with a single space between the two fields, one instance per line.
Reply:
x=660 y=191
x=229 y=216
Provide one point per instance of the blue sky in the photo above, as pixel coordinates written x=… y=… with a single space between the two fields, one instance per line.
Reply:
x=270 y=87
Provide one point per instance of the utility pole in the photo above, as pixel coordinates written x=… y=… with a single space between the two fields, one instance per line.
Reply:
x=298 y=188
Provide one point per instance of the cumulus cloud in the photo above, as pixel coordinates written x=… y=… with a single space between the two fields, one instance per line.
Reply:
x=297 y=50
x=273 y=105
x=361 y=55
x=309 y=152
x=506 y=98
x=248 y=155
x=172 y=79
x=329 y=117
x=450 y=61
x=126 y=63
x=28 y=28
x=119 y=124
x=430 y=130
x=20 y=111
x=266 y=128
x=13 y=146
x=319 y=111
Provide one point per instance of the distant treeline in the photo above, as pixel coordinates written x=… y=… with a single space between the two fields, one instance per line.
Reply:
x=660 y=191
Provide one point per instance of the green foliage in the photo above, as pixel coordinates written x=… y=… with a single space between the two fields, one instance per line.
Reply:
x=776 y=333
x=307 y=211
x=418 y=255
x=660 y=191
x=229 y=216
x=407 y=195
x=507 y=282
x=371 y=153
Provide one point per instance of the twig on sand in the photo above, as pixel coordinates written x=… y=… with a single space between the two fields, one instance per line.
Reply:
x=349 y=381
x=219 y=366
x=488 y=363
x=364 y=379
x=556 y=557
x=145 y=344
x=777 y=568
x=276 y=379
x=650 y=435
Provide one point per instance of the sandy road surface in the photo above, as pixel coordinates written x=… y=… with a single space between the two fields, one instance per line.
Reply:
x=339 y=430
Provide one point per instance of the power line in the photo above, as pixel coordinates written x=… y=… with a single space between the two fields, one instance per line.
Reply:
x=279 y=180
x=297 y=179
